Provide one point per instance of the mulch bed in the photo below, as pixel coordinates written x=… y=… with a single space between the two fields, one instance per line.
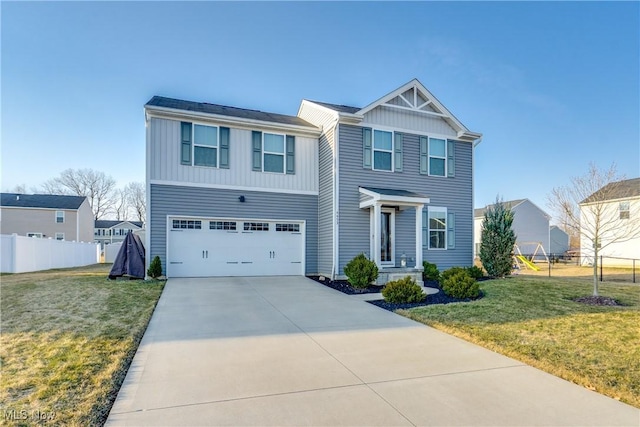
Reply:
x=600 y=301
x=438 y=298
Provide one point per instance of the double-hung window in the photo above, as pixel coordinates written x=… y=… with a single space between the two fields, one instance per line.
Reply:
x=203 y=145
x=382 y=150
x=624 y=210
x=273 y=152
x=437 y=156
x=60 y=217
x=438 y=228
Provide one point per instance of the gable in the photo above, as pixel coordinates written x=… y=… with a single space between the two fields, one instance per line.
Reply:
x=413 y=107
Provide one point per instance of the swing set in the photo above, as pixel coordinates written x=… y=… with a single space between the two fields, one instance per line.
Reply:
x=520 y=261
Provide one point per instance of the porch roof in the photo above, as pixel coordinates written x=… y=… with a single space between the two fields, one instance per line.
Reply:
x=391 y=197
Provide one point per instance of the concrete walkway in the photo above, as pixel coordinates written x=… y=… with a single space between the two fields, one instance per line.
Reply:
x=276 y=351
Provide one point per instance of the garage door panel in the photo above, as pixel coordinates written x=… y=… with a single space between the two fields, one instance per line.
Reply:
x=232 y=247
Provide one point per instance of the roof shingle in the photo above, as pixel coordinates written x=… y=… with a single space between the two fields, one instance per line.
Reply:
x=43 y=201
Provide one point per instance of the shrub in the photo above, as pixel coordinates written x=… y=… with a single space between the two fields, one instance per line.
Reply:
x=155 y=268
x=475 y=272
x=403 y=291
x=430 y=272
x=361 y=272
x=459 y=284
x=497 y=240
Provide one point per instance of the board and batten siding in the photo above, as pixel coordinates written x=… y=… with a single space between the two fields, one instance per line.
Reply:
x=324 y=119
x=408 y=120
x=219 y=203
x=164 y=162
x=454 y=193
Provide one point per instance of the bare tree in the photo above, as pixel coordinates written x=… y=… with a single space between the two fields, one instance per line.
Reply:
x=587 y=209
x=96 y=186
x=20 y=188
x=136 y=197
x=121 y=204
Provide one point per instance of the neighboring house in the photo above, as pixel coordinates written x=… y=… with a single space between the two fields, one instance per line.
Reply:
x=47 y=216
x=232 y=191
x=558 y=240
x=113 y=231
x=530 y=224
x=618 y=207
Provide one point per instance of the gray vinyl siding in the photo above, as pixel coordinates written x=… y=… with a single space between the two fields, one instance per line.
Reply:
x=325 y=204
x=165 y=165
x=208 y=202
x=531 y=226
x=454 y=193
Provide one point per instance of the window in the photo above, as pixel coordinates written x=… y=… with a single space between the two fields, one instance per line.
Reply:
x=624 y=210
x=37 y=235
x=59 y=217
x=59 y=236
x=382 y=150
x=210 y=145
x=295 y=228
x=205 y=146
x=187 y=224
x=273 y=152
x=273 y=146
x=256 y=226
x=438 y=228
x=222 y=225
x=437 y=156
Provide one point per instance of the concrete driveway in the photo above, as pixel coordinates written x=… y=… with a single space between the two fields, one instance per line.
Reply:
x=288 y=351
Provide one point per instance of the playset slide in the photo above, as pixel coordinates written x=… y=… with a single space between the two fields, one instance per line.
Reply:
x=528 y=263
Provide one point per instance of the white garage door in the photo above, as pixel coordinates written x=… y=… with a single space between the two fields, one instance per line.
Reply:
x=234 y=247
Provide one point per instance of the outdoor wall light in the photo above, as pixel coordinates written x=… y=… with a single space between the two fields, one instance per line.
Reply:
x=242 y=199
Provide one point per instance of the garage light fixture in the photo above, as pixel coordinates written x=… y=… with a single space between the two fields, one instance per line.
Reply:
x=242 y=199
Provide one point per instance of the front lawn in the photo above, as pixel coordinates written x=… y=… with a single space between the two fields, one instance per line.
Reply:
x=535 y=321
x=68 y=337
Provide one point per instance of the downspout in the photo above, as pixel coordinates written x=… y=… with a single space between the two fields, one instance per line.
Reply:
x=147 y=225
x=336 y=187
x=473 y=198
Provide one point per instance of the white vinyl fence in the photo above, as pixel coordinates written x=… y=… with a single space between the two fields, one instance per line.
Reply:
x=111 y=251
x=20 y=254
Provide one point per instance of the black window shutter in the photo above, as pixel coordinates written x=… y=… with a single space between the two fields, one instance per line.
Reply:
x=256 y=137
x=291 y=154
x=185 y=143
x=224 y=148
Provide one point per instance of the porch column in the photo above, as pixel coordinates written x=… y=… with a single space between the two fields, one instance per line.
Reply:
x=419 y=236
x=376 y=234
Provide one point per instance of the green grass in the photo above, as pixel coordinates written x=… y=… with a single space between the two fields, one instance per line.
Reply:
x=534 y=320
x=68 y=337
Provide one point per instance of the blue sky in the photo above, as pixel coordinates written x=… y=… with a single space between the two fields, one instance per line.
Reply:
x=552 y=86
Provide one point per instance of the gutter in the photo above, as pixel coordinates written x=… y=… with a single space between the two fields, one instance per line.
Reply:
x=336 y=187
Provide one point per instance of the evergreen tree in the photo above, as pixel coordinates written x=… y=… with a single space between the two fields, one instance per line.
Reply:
x=497 y=240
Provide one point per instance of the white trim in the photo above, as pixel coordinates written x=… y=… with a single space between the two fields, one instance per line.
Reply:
x=409 y=131
x=147 y=237
x=383 y=198
x=392 y=237
x=373 y=150
x=429 y=156
x=230 y=187
x=236 y=122
x=419 y=248
x=283 y=154
x=336 y=183
x=40 y=209
x=194 y=145
x=415 y=110
x=437 y=209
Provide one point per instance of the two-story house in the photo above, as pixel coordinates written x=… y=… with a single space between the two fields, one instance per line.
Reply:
x=530 y=225
x=46 y=216
x=113 y=231
x=232 y=191
x=612 y=215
